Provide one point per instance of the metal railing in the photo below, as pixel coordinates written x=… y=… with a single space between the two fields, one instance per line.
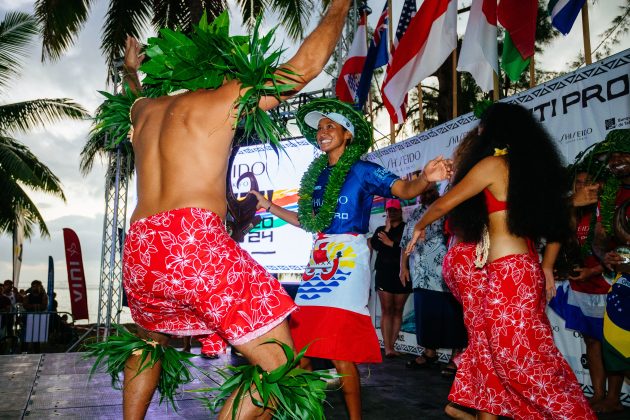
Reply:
x=33 y=332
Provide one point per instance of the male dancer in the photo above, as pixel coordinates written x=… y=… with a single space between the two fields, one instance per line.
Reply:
x=182 y=272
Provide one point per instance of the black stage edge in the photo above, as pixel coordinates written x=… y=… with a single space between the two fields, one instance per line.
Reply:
x=57 y=385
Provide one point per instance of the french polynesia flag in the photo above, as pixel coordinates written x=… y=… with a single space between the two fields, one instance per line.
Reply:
x=348 y=83
x=430 y=38
x=479 y=55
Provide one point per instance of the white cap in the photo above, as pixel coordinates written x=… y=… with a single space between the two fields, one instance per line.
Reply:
x=312 y=120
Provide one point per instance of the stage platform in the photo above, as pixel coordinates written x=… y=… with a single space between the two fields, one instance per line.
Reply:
x=56 y=385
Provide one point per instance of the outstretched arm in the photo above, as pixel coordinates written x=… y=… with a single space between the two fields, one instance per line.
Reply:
x=314 y=52
x=286 y=215
x=133 y=60
x=474 y=182
x=437 y=169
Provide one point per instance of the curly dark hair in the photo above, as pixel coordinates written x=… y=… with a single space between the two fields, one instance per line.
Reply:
x=537 y=188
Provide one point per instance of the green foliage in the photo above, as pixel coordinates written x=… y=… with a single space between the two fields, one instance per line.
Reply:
x=16 y=31
x=114 y=352
x=112 y=120
x=20 y=169
x=61 y=25
x=204 y=60
x=288 y=391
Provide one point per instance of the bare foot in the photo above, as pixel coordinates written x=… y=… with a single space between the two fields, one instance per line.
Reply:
x=392 y=353
x=456 y=413
x=608 y=406
x=596 y=402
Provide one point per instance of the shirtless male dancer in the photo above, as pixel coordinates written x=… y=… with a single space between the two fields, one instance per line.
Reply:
x=181 y=145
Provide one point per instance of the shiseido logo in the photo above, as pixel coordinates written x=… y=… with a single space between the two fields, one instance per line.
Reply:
x=575 y=135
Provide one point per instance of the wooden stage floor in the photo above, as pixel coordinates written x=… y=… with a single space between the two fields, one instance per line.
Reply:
x=56 y=385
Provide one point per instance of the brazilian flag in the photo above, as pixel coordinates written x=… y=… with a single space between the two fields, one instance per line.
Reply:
x=616 y=344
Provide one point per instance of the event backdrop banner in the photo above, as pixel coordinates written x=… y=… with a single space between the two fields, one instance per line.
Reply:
x=577 y=109
x=277 y=245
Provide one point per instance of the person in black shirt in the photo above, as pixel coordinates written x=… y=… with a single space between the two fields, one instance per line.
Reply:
x=392 y=293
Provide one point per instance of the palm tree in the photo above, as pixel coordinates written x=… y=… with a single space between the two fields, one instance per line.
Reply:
x=19 y=167
x=62 y=23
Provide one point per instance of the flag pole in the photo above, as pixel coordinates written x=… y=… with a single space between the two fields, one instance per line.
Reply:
x=369 y=93
x=532 y=72
x=586 y=34
x=420 y=105
x=495 y=89
x=390 y=33
x=454 y=71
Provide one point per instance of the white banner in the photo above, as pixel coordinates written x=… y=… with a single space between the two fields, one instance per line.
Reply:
x=277 y=245
x=578 y=110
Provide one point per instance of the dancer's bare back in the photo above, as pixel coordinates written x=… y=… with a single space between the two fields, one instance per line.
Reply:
x=181 y=145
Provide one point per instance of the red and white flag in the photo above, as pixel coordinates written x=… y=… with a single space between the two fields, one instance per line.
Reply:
x=348 y=82
x=479 y=55
x=429 y=39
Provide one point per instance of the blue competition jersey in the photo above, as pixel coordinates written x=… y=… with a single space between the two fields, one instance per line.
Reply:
x=364 y=181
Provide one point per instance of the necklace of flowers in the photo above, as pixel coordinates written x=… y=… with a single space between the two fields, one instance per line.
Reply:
x=310 y=221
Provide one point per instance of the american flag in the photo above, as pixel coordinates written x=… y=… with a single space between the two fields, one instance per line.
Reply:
x=408 y=12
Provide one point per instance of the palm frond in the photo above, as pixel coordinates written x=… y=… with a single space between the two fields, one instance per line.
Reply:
x=16 y=31
x=16 y=202
x=170 y=14
x=124 y=17
x=250 y=9
x=295 y=15
x=60 y=24
x=24 y=116
x=22 y=166
x=94 y=148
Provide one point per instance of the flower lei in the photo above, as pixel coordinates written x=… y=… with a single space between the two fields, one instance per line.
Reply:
x=310 y=221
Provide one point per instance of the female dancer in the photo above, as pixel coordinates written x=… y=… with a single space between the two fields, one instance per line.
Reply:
x=335 y=201
x=505 y=204
x=476 y=384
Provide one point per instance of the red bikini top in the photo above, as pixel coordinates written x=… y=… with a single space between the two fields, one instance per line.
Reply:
x=492 y=203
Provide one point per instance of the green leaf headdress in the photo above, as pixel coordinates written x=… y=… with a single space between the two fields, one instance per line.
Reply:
x=359 y=145
x=615 y=141
x=205 y=59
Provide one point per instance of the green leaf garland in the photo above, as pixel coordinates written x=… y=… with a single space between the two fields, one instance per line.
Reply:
x=205 y=59
x=310 y=221
x=114 y=353
x=288 y=391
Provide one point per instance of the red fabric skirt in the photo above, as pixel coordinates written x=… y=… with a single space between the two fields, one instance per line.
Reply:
x=525 y=358
x=184 y=275
x=476 y=384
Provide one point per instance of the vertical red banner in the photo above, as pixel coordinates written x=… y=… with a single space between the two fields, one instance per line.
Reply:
x=76 y=276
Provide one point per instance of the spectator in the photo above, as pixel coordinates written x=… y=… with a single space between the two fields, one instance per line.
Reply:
x=439 y=318
x=612 y=236
x=36 y=298
x=392 y=293
x=581 y=301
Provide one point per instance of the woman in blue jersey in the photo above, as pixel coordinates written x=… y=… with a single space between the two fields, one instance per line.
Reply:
x=335 y=201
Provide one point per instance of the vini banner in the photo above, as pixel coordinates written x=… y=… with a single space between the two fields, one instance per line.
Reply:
x=76 y=276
